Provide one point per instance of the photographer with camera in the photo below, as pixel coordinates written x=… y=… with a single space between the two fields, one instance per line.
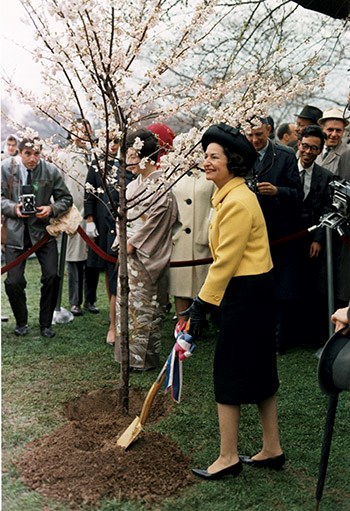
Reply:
x=27 y=188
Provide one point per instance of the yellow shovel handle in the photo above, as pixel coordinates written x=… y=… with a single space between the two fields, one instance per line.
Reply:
x=151 y=395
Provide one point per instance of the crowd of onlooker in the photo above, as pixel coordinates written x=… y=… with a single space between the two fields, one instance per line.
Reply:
x=296 y=162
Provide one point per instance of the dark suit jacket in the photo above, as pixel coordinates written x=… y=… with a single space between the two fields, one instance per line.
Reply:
x=279 y=167
x=318 y=202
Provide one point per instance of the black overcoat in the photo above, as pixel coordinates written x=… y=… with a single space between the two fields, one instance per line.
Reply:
x=282 y=214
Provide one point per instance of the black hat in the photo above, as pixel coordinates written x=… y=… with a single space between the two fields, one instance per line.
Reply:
x=334 y=364
x=224 y=134
x=310 y=112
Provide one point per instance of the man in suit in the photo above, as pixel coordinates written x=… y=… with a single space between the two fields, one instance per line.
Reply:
x=333 y=125
x=317 y=202
x=315 y=180
x=276 y=180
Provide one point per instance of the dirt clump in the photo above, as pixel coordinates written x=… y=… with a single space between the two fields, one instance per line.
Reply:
x=80 y=462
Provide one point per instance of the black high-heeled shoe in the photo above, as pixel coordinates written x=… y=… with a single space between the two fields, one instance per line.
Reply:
x=233 y=470
x=276 y=462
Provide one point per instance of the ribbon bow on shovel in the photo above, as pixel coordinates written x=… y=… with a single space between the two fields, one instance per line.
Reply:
x=183 y=348
x=172 y=370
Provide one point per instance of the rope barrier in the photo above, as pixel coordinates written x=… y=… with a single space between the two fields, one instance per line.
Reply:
x=112 y=259
x=95 y=247
x=26 y=254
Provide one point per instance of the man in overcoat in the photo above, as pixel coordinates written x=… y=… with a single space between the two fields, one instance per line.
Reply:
x=333 y=125
x=276 y=180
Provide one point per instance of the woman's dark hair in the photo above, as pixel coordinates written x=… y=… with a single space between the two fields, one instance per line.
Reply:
x=235 y=162
x=150 y=146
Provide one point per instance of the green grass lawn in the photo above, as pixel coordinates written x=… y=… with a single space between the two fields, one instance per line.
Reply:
x=39 y=375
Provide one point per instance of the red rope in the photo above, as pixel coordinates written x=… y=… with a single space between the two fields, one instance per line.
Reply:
x=26 y=254
x=112 y=259
x=95 y=248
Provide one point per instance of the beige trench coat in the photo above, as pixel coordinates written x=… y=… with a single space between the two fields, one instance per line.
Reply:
x=74 y=168
x=331 y=161
x=193 y=197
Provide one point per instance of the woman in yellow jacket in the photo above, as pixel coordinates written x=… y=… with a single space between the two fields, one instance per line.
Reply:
x=240 y=281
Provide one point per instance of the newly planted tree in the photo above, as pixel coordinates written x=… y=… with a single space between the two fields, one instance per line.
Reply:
x=190 y=63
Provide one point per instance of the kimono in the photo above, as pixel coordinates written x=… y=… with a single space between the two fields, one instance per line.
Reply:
x=152 y=217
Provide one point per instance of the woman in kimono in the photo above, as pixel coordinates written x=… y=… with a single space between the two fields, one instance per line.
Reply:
x=149 y=232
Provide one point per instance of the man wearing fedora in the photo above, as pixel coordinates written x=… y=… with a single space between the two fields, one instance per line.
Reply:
x=308 y=115
x=333 y=125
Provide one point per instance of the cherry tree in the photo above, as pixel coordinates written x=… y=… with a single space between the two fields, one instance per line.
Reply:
x=191 y=63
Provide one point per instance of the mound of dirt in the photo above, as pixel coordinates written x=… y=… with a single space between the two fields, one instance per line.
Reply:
x=80 y=462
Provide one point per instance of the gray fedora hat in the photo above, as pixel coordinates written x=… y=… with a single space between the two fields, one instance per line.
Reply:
x=334 y=363
x=310 y=112
x=332 y=113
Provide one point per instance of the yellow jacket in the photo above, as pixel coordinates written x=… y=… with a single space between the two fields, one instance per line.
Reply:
x=238 y=239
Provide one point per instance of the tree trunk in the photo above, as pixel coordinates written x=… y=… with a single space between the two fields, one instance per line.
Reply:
x=123 y=296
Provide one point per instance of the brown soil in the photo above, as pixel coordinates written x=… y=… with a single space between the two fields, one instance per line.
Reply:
x=80 y=462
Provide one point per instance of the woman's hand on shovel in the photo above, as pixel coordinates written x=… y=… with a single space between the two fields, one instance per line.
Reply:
x=197 y=313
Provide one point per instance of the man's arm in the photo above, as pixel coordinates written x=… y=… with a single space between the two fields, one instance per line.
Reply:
x=290 y=190
x=63 y=200
x=8 y=204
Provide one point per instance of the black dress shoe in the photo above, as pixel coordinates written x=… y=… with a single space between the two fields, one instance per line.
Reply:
x=21 y=331
x=233 y=470
x=90 y=307
x=276 y=462
x=47 y=332
x=76 y=310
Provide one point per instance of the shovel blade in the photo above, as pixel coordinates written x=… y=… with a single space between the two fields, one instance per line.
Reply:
x=130 y=434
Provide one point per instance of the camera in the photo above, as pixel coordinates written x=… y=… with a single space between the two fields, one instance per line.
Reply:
x=28 y=200
x=341 y=197
x=252 y=182
x=339 y=218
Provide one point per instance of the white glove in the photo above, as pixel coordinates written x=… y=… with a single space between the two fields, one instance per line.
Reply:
x=91 y=230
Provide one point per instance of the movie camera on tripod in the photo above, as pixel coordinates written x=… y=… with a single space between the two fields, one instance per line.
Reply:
x=339 y=217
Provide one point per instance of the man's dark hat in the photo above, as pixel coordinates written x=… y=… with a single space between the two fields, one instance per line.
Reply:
x=310 y=112
x=231 y=138
x=334 y=364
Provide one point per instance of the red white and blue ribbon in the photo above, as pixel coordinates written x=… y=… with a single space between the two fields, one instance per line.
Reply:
x=183 y=348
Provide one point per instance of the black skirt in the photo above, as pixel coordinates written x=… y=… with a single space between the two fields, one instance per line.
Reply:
x=245 y=366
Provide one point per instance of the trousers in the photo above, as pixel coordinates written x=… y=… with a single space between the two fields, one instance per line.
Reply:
x=15 y=283
x=82 y=278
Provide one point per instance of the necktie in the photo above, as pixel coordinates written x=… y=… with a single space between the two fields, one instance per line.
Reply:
x=326 y=152
x=302 y=176
x=29 y=177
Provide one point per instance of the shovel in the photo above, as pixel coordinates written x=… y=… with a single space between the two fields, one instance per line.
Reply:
x=134 y=430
